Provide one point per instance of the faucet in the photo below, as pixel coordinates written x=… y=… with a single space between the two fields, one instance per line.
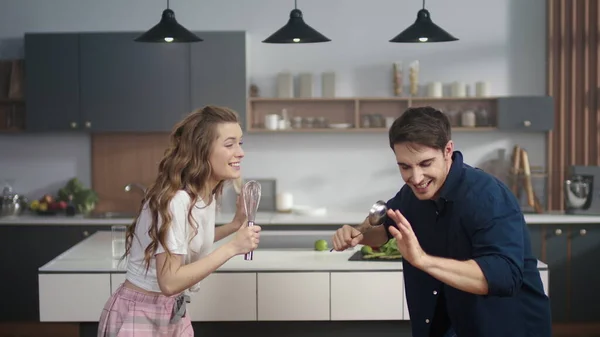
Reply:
x=141 y=187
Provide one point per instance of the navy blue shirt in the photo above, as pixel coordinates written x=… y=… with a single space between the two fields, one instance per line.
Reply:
x=475 y=217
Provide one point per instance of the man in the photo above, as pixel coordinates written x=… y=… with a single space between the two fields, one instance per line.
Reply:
x=467 y=261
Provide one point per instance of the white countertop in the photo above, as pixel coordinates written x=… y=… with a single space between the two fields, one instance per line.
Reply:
x=94 y=254
x=273 y=218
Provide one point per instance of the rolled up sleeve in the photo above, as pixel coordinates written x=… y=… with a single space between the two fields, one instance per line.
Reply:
x=498 y=246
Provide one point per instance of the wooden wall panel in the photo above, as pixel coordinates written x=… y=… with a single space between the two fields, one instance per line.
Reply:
x=120 y=159
x=573 y=80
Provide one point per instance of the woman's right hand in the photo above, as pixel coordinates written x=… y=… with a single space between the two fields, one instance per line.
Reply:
x=246 y=239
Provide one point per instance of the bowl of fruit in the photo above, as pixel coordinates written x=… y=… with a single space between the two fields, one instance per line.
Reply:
x=48 y=205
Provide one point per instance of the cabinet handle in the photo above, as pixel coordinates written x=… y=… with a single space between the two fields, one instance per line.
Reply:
x=88 y=124
x=582 y=232
x=73 y=125
x=557 y=232
x=86 y=233
x=527 y=123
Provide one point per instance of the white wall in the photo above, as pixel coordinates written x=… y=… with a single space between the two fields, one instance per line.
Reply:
x=501 y=41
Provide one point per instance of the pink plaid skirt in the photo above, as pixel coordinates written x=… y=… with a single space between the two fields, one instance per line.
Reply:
x=130 y=313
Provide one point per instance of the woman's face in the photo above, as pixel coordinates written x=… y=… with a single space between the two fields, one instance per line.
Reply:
x=227 y=153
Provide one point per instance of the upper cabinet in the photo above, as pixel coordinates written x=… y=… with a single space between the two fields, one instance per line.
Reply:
x=219 y=74
x=526 y=113
x=52 y=82
x=106 y=82
x=130 y=86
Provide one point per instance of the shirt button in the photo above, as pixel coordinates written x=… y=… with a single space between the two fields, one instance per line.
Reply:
x=435 y=292
x=427 y=320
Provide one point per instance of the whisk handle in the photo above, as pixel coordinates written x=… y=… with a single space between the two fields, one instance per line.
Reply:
x=250 y=255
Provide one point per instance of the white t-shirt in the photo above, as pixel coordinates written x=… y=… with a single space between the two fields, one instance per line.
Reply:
x=178 y=239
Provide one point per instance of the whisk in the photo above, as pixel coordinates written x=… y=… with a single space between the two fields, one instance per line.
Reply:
x=251 y=194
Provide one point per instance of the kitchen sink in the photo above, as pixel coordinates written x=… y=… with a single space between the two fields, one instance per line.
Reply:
x=112 y=215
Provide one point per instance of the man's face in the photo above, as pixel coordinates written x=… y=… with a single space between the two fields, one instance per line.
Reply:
x=423 y=168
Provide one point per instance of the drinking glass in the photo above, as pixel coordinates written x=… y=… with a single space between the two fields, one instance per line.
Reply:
x=118 y=240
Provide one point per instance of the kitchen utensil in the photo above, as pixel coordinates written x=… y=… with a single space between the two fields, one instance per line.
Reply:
x=376 y=217
x=251 y=194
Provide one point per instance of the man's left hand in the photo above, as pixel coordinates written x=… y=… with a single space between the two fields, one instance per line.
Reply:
x=406 y=240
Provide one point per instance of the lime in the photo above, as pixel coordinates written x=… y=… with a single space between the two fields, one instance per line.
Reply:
x=366 y=250
x=320 y=245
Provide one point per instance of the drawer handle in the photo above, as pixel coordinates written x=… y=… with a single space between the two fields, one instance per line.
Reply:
x=527 y=123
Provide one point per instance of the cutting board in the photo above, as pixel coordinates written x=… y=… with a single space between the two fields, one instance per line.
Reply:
x=358 y=256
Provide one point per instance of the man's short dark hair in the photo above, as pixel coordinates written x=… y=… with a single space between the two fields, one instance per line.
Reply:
x=422 y=125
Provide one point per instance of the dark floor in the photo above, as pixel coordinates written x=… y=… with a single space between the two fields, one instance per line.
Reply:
x=266 y=329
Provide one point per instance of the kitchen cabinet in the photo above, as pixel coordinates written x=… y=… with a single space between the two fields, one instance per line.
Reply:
x=385 y=289
x=115 y=281
x=52 y=82
x=213 y=301
x=26 y=248
x=570 y=251
x=584 y=301
x=525 y=113
x=105 y=82
x=225 y=297
x=127 y=86
x=294 y=296
x=556 y=258
x=81 y=296
x=218 y=71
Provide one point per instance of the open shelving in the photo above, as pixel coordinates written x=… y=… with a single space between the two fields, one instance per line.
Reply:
x=361 y=114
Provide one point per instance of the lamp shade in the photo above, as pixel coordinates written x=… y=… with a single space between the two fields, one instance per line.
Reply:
x=168 y=30
x=296 y=31
x=423 y=30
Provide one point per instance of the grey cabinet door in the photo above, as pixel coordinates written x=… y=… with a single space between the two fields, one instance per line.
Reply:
x=526 y=113
x=128 y=86
x=52 y=82
x=585 y=276
x=20 y=275
x=219 y=72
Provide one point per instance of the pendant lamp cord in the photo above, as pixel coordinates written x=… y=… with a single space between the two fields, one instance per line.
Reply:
x=295 y=4
x=423 y=4
x=168 y=7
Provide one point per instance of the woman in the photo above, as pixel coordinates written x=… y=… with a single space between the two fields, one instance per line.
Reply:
x=169 y=244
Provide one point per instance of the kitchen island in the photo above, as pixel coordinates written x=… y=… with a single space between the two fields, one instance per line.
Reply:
x=282 y=288
x=331 y=218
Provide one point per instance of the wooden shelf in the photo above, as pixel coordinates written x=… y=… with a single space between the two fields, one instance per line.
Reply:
x=359 y=130
x=12 y=103
x=364 y=114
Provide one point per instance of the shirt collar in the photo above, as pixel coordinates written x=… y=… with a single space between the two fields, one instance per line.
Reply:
x=453 y=178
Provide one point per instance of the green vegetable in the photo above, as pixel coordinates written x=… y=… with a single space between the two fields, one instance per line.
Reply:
x=390 y=248
x=389 y=251
x=84 y=198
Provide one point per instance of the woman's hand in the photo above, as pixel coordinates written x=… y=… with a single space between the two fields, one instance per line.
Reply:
x=246 y=239
x=240 y=212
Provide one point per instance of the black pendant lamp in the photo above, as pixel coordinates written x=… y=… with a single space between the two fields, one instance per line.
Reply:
x=423 y=30
x=296 y=31
x=168 y=30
